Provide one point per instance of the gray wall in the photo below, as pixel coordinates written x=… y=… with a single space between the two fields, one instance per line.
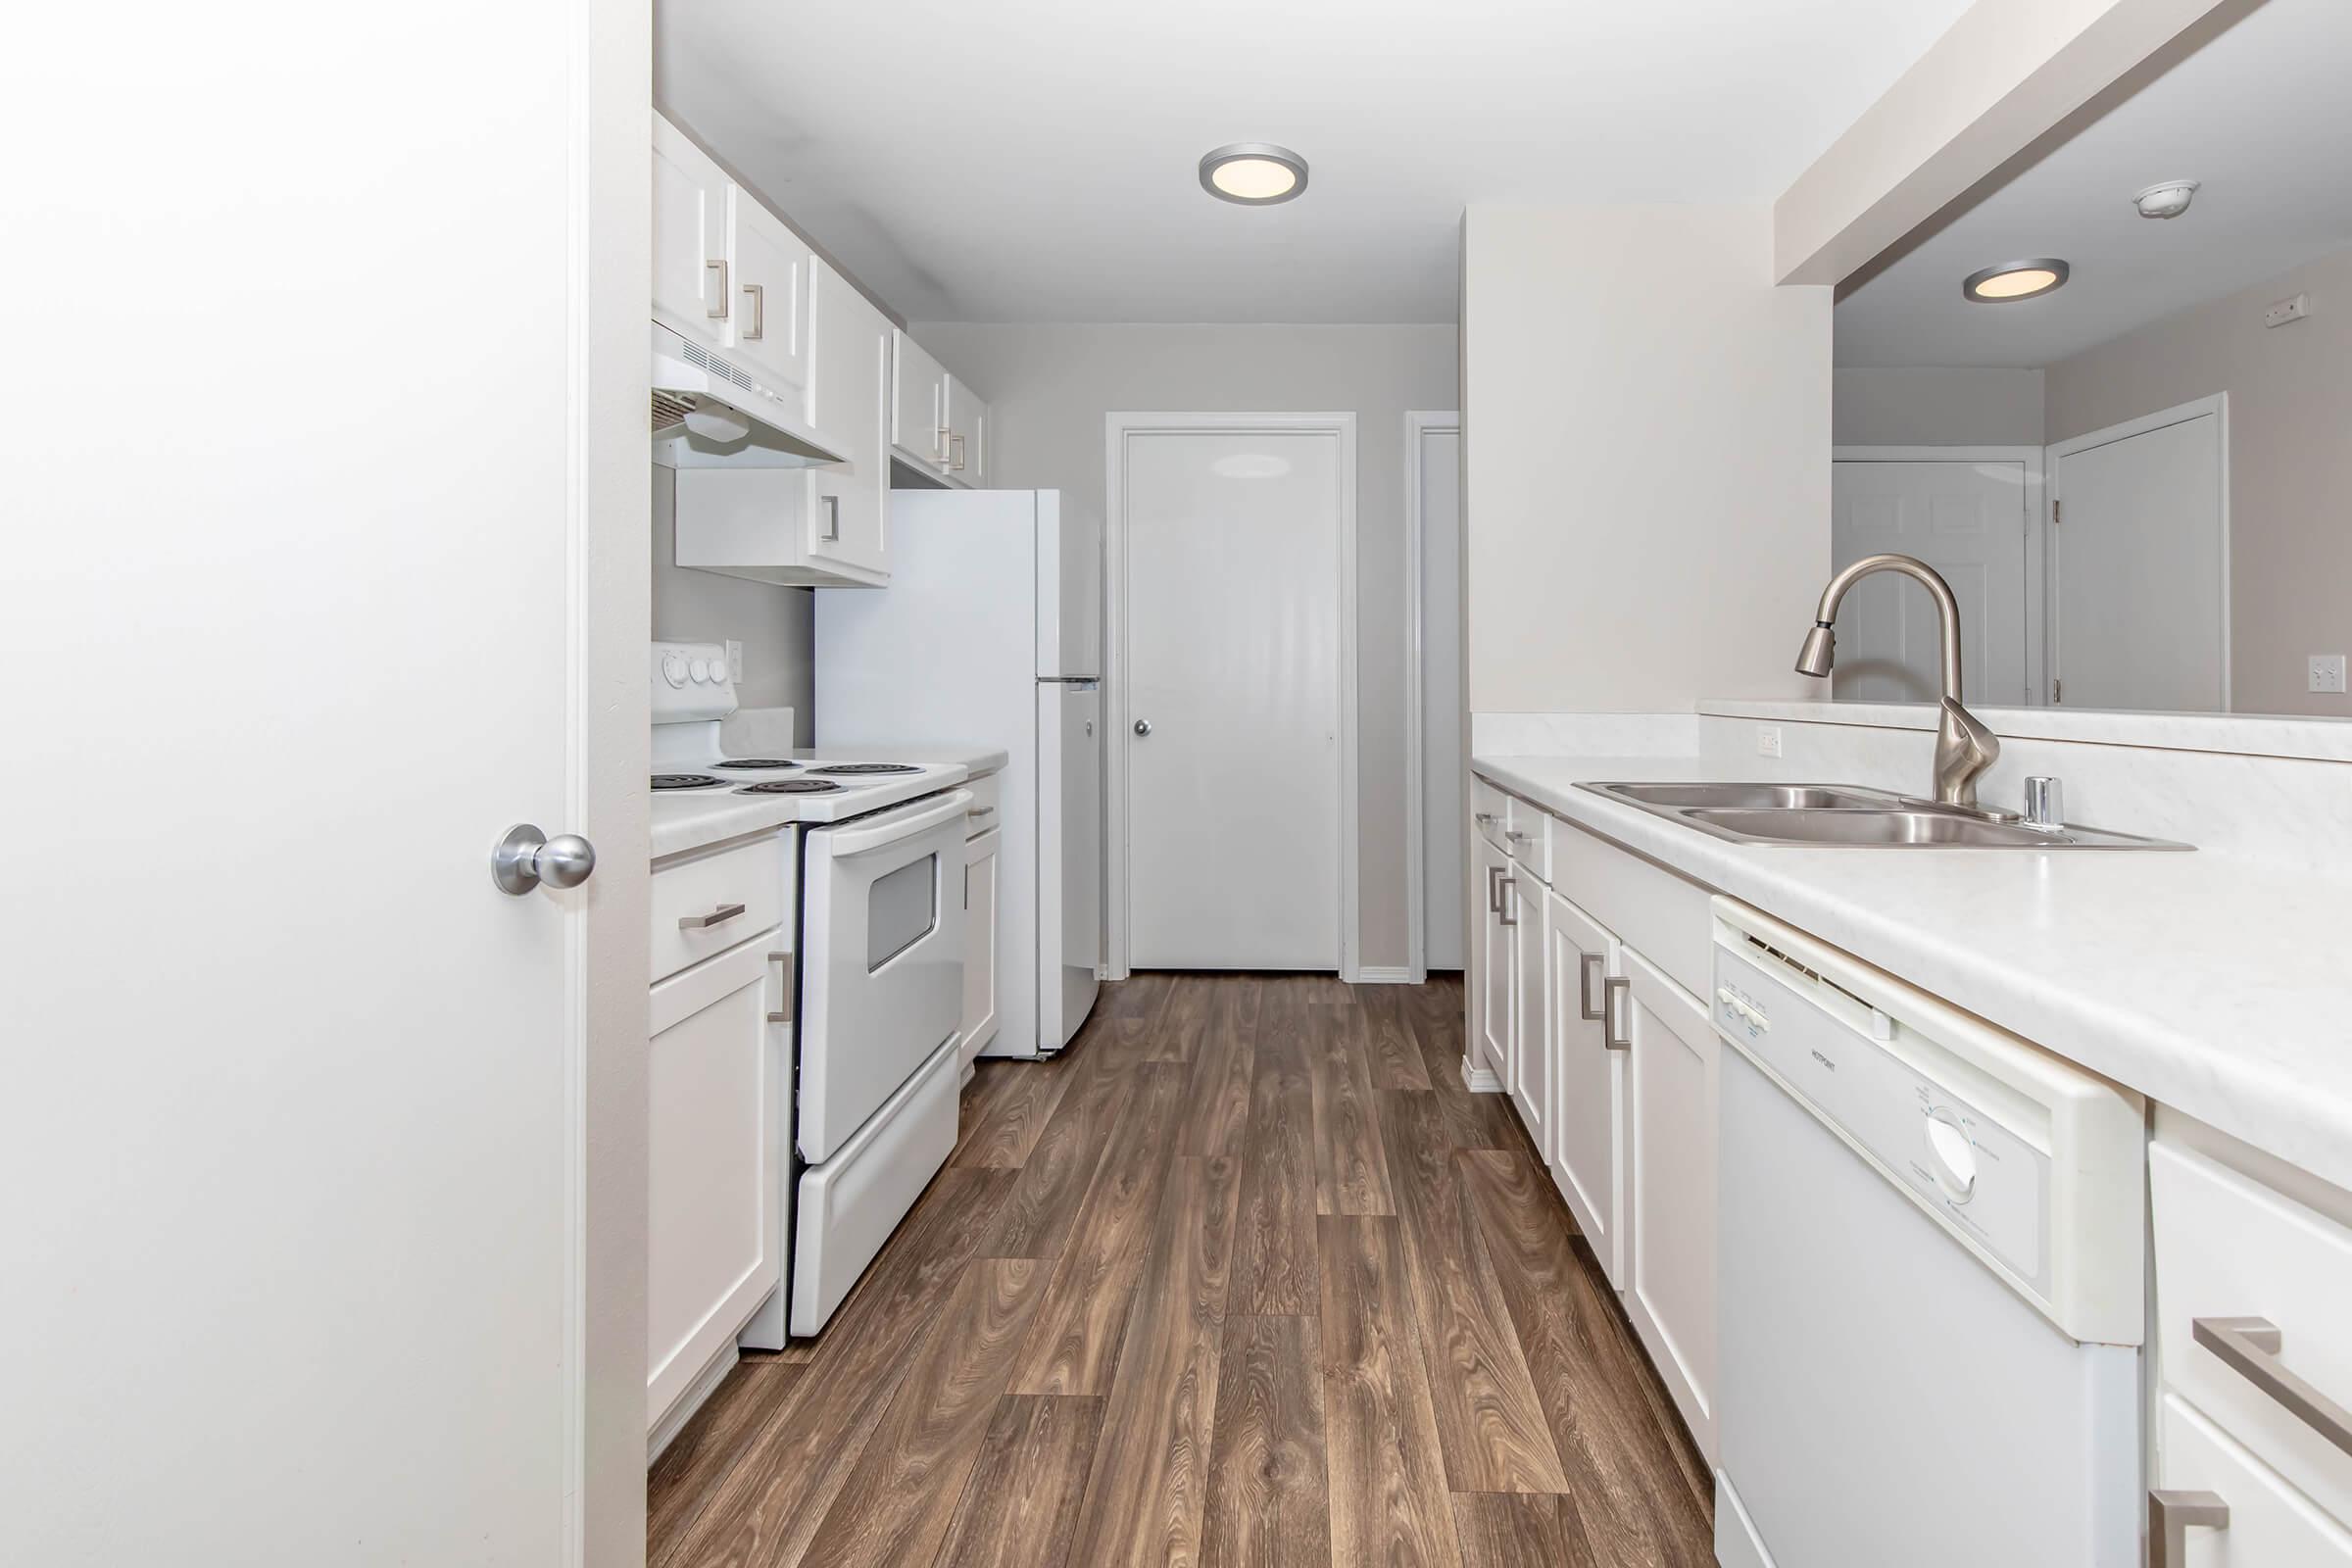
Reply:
x=776 y=625
x=2290 y=462
x=1050 y=385
x=1955 y=407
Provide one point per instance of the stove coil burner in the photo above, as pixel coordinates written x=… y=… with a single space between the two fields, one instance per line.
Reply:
x=686 y=782
x=755 y=762
x=855 y=769
x=790 y=786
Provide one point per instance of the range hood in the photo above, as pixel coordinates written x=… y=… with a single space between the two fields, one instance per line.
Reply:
x=709 y=413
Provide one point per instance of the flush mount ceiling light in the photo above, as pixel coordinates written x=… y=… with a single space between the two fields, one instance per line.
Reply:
x=1254 y=173
x=2015 y=281
x=2167 y=199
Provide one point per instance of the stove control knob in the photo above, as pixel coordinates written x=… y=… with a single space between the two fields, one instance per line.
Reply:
x=701 y=670
x=674 y=669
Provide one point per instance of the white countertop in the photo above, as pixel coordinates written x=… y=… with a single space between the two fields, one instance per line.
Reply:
x=2216 y=986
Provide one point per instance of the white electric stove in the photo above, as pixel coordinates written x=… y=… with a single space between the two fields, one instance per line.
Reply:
x=873 y=856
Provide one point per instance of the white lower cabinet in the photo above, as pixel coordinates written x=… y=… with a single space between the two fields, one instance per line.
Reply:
x=1671 y=1066
x=982 y=854
x=1497 y=971
x=1587 y=1119
x=715 y=1096
x=1524 y=911
x=2269 y=1523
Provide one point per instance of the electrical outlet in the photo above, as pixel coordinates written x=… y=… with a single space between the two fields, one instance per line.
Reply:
x=2328 y=673
x=734 y=662
x=2286 y=311
x=1768 y=740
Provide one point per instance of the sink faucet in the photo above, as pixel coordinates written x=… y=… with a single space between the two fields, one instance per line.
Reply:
x=1964 y=747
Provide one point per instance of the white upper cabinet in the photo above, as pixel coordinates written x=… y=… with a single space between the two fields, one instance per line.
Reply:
x=768 y=317
x=849 y=404
x=692 y=289
x=967 y=423
x=919 y=422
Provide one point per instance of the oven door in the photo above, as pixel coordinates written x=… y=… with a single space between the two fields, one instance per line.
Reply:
x=881 y=959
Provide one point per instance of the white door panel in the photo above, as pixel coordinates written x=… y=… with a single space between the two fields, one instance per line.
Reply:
x=1445 y=749
x=1234 y=660
x=1969 y=520
x=2140 y=577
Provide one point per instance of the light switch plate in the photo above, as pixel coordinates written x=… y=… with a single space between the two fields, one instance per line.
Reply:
x=1768 y=740
x=2328 y=673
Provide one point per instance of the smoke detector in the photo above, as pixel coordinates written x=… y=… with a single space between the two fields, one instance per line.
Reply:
x=2166 y=199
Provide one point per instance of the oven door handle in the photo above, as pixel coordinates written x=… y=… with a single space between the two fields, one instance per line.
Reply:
x=898 y=825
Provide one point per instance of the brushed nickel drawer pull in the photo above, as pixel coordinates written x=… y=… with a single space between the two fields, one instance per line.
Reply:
x=2169 y=1516
x=1614 y=987
x=719 y=309
x=2250 y=1346
x=785 y=959
x=1585 y=962
x=703 y=922
x=1509 y=915
x=759 y=327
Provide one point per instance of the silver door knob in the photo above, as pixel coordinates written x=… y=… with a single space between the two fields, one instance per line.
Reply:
x=527 y=857
x=1143 y=726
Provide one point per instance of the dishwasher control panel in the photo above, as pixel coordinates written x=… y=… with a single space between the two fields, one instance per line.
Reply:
x=1846 y=1061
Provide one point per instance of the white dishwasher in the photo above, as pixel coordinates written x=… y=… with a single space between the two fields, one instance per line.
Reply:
x=1932 y=1243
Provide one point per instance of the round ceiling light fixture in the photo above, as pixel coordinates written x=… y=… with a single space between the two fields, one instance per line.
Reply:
x=2012 y=281
x=2167 y=199
x=1254 y=173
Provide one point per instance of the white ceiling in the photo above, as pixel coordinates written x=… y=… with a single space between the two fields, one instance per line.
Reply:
x=1036 y=160
x=2259 y=115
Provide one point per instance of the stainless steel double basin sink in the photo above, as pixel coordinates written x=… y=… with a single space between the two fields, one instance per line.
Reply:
x=1848 y=815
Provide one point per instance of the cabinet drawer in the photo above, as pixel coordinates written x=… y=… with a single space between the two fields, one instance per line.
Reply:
x=2230 y=1245
x=1527 y=836
x=2271 y=1525
x=986 y=813
x=1650 y=909
x=706 y=903
x=1487 y=807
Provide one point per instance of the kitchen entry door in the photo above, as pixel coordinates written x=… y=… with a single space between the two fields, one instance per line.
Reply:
x=1234 y=645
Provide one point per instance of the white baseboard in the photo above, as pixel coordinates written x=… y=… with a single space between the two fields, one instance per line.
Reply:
x=689 y=1400
x=1480 y=1080
x=1387 y=974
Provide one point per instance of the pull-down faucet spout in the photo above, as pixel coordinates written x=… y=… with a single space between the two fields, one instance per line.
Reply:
x=1964 y=747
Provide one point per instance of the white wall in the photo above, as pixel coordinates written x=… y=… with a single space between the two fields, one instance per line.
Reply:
x=2290 y=464
x=1646 y=458
x=1049 y=387
x=777 y=626
x=1935 y=407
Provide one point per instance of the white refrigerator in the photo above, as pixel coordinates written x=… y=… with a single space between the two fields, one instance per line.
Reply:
x=990 y=634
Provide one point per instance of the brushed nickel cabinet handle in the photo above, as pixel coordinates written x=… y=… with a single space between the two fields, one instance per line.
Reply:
x=1514 y=835
x=2250 y=1346
x=956 y=450
x=943 y=445
x=1585 y=964
x=785 y=1016
x=718 y=295
x=1509 y=916
x=1484 y=818
x=759 y=327
x=1614 y=987
x=1493 y=890
x=832 y=533
x=2169 y=1516
x=703 y=922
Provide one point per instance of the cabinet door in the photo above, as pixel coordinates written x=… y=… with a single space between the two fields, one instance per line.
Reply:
x=1587 y=1119
x=692 y=291
x=770 y=283
x=1670 y=1286
x=714 y=1161
x=1531 y=1021
x=981 y=857
x=2271 y=1525
x=1494 y=974
x=918 y=418
x=964 y=411
x=849 y=396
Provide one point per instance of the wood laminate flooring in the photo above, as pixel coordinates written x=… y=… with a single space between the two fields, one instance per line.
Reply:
x=1242 y=1279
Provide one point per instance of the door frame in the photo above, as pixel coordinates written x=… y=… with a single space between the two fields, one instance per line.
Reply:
x=1418 y=424
x=2038 y=607
x=2217 y=406
x=1119 y=427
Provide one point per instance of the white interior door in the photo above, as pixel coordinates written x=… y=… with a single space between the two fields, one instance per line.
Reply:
x=2140 y=568
x=1233 y=672
x=1445 y=749
x=1971 y=520
x=294 y=1134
